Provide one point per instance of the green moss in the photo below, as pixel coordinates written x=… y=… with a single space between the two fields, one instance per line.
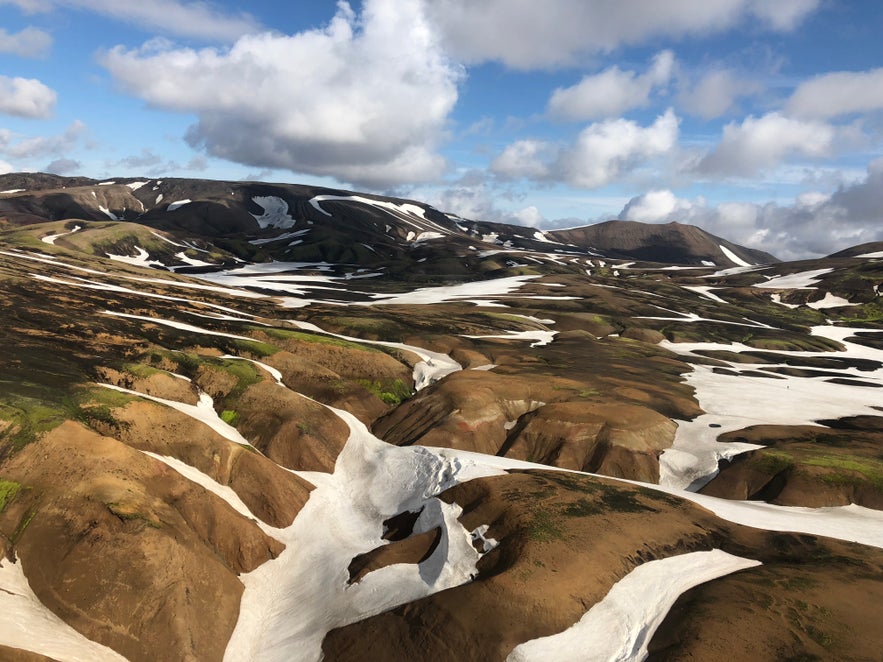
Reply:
x=391 y=392
x=255 y=347
x=545 y=527
x=230 y=417
x=773 y=462
x=870 y=469
x=286 y=334
x=8 y=490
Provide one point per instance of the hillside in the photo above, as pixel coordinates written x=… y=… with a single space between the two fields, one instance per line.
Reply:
x=338 y=422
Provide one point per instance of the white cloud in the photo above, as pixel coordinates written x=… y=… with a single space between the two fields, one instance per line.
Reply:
x=63 y=167
x=200 y=20
x=654 y=207
x=26 y=97
x=23 y=149
x=524 y=158
x=365 y=100
x=601 y=153
x=763 y=142
x=6 y=167
x=838 y=93
x=605 y=150
x=716 y=93
x=526 y=34
x=611 y=92
x=29 y=42
x=815 y=224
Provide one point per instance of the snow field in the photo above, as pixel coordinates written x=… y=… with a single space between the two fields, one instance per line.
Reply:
x=621 y=626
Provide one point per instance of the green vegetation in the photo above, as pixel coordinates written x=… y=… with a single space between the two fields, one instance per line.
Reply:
x=8 y=490
x=871 y=469
x=392 y=393
x=545 y=527
x=254 y=347
x=773 y=462
x=285 y=334
x=230 y=417
x=27 y=420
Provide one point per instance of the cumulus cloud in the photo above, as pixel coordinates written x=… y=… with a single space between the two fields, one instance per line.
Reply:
x=26 y=97
x=22 y=149
x=838 y=93
x=605 y=150
x=29 y=42
x=63 y=167
x=763 y=142
x=611 y=92
x=525 y=34
x=199 y=20
x=365 y=99
x=716 y=93
x=602 y=152
x=815 y=224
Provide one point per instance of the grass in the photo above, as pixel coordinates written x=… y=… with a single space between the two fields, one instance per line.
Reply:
x=230 y=417
x=285 y=334
x=773 y=462
x=870 y=468
x=8 y=490
x=392 y=393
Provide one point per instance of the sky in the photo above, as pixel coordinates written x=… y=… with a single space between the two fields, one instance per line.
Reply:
x=760 y=121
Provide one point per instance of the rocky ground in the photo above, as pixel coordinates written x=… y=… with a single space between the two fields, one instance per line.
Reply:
x=175 y=425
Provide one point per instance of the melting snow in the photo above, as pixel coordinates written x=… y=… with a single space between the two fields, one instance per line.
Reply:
x=732 y=257
x=26 y=623
x=175 y=205
x=108 y=213
x=281 y=237
x=621 y=626
x=705 y=291
x=12 y=190
x=804 y=280
x=868 y=256
x=50 y=239
x=140 y=260
x=540 y=337
x=275 y=212
x=203 y=411
x=136 y=185
x=193 y=262
x=830 y=301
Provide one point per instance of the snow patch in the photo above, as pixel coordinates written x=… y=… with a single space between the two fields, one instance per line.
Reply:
x=175 y=205
x=803 y=280
x=50 y=238
x=136 y=185
x=732 y=257
x=108 y=213
x=830 y=301
x=275 y=212
x=621 y=626
x=140 y=260
x=26 y=623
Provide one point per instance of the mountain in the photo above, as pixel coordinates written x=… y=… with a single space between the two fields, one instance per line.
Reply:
x=255 y=221
x=248 y=421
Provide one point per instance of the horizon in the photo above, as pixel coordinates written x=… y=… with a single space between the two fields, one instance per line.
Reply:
x=759 y=123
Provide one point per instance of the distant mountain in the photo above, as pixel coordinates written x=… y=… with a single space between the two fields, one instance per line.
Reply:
x=674 y=243
x=258 y=221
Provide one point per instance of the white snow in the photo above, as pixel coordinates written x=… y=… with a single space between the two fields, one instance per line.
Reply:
x=732 y=257
x=803 y=280
x=477 y=289
x=107 y=212
x=12 y=190
x=705 y=291
x=733 y=402
x=275 y=212
x=539 y=336
x=830 y=301
x=105 y=183
x=371 y=482
x=426 y=236
x=203 y=411
x=50 y=238
x=621 y=626
x=136 y=185
x=178 y=325
x=281 y=237
x=868 y=256
x=158 y=197
x=708 y=263
x=26 y=623
x=193 y=262
x=140 y=260
x=177 y=204
x=775 y=297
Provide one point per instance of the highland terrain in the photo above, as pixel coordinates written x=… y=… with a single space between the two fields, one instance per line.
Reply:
x=250 y=421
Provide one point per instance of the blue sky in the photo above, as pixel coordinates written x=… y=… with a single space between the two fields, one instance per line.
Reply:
x=759 y=121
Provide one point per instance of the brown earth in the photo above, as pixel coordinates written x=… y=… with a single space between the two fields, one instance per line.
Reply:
x=808 y=466
x=169 y=550
x=538 y=581
x=271 y=493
